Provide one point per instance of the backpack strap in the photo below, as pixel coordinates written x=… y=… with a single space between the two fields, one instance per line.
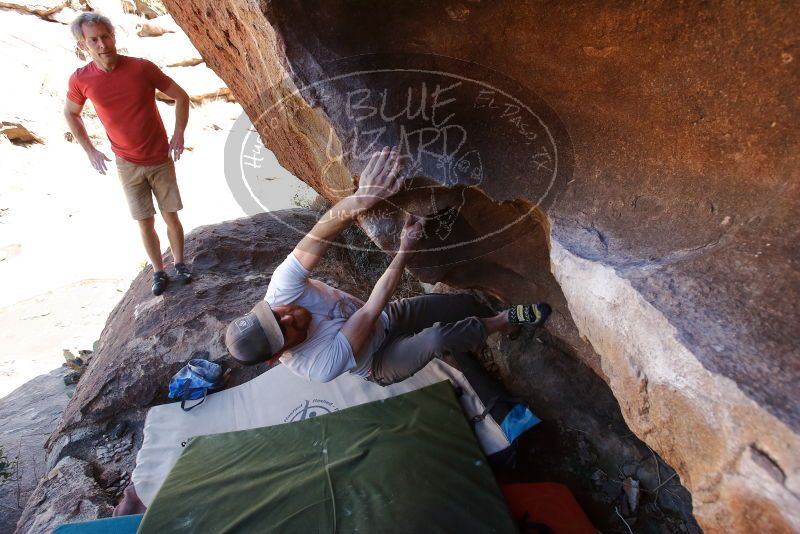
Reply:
x=186 y=398
x=487 y=408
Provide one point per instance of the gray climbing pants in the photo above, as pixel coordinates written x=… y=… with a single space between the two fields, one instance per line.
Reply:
x=422 y=328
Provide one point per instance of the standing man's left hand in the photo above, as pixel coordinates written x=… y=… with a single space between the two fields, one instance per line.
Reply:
x=177 y=93
x=176 y=146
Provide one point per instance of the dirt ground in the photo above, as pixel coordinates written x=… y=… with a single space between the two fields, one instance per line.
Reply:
x=583 y=441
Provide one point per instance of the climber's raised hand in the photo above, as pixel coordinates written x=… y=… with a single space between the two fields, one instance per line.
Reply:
x=381 y=177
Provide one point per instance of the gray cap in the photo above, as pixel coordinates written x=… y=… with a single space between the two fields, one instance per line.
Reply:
x=256 y=337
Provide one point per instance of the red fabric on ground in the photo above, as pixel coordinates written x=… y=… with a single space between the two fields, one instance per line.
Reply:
x=548 y=504
x=125 y=102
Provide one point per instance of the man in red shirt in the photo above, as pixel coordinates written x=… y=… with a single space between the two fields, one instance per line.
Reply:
x=122 y=90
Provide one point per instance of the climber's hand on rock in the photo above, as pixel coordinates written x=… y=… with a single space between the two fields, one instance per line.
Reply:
x=413 y=231
x=381 y=177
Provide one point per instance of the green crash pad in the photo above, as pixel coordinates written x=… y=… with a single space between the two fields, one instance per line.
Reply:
x=405 y=464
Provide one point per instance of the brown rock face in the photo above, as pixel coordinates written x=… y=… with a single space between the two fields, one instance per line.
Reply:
x=147 y=339
x=27 y=416
x=636 y=166
x=232 y=263
x=18 y=134
x=92 y=451
x=71 y=494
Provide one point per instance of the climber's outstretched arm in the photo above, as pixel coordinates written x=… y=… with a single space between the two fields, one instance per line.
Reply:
x=379 y=181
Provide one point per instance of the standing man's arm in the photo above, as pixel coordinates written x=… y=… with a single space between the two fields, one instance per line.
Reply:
x=72 y=112
x=177 y=93
x=379 y=181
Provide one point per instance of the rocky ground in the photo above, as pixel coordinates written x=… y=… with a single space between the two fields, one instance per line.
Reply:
x=583 y=441
x=652 y=151
x=655 y=252
x=27 y=416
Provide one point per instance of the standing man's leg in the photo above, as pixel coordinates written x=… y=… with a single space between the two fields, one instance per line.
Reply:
x=152 y=245
x=165 y=189
x=138 y=192
x=176 y=239
x=174 y=234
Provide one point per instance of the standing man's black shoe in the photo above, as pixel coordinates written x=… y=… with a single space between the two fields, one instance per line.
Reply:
x=182 y=273
x=160 y=282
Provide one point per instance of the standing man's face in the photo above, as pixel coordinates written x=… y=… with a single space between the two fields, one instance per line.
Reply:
x=100 y=43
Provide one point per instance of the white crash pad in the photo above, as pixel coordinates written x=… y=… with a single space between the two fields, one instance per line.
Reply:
x=276 y=397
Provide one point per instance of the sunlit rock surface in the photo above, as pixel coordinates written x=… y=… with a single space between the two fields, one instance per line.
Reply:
x=636 y=167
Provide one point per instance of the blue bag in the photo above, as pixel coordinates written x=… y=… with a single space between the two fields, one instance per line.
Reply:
x=518 y=420
x=194 y=381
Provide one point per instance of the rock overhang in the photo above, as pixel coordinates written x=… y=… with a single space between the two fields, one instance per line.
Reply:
x=679 y=175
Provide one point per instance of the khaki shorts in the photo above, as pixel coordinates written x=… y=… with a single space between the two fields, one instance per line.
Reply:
x=141 y=182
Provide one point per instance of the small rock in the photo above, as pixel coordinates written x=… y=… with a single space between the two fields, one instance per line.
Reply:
x=72 y=364
x=116 y=430
x=668 y=502
x=599 y=477
x=629 y=470
x=19 y=134
x=631 y=489
x=72 y=378
x=646 y=474
x=612 y=489
x=153 y=29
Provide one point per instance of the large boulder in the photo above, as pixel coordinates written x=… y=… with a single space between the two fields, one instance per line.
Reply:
x=27 y=417
x=68 y=493
x=92 y=449
x=147 y=338
x=42 y=9
x=91 y=453
x=636 y=166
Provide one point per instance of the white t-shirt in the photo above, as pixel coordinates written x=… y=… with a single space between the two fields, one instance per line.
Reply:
x=326 y=353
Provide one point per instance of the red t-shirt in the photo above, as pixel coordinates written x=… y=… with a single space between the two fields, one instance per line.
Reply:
x=125 y=102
